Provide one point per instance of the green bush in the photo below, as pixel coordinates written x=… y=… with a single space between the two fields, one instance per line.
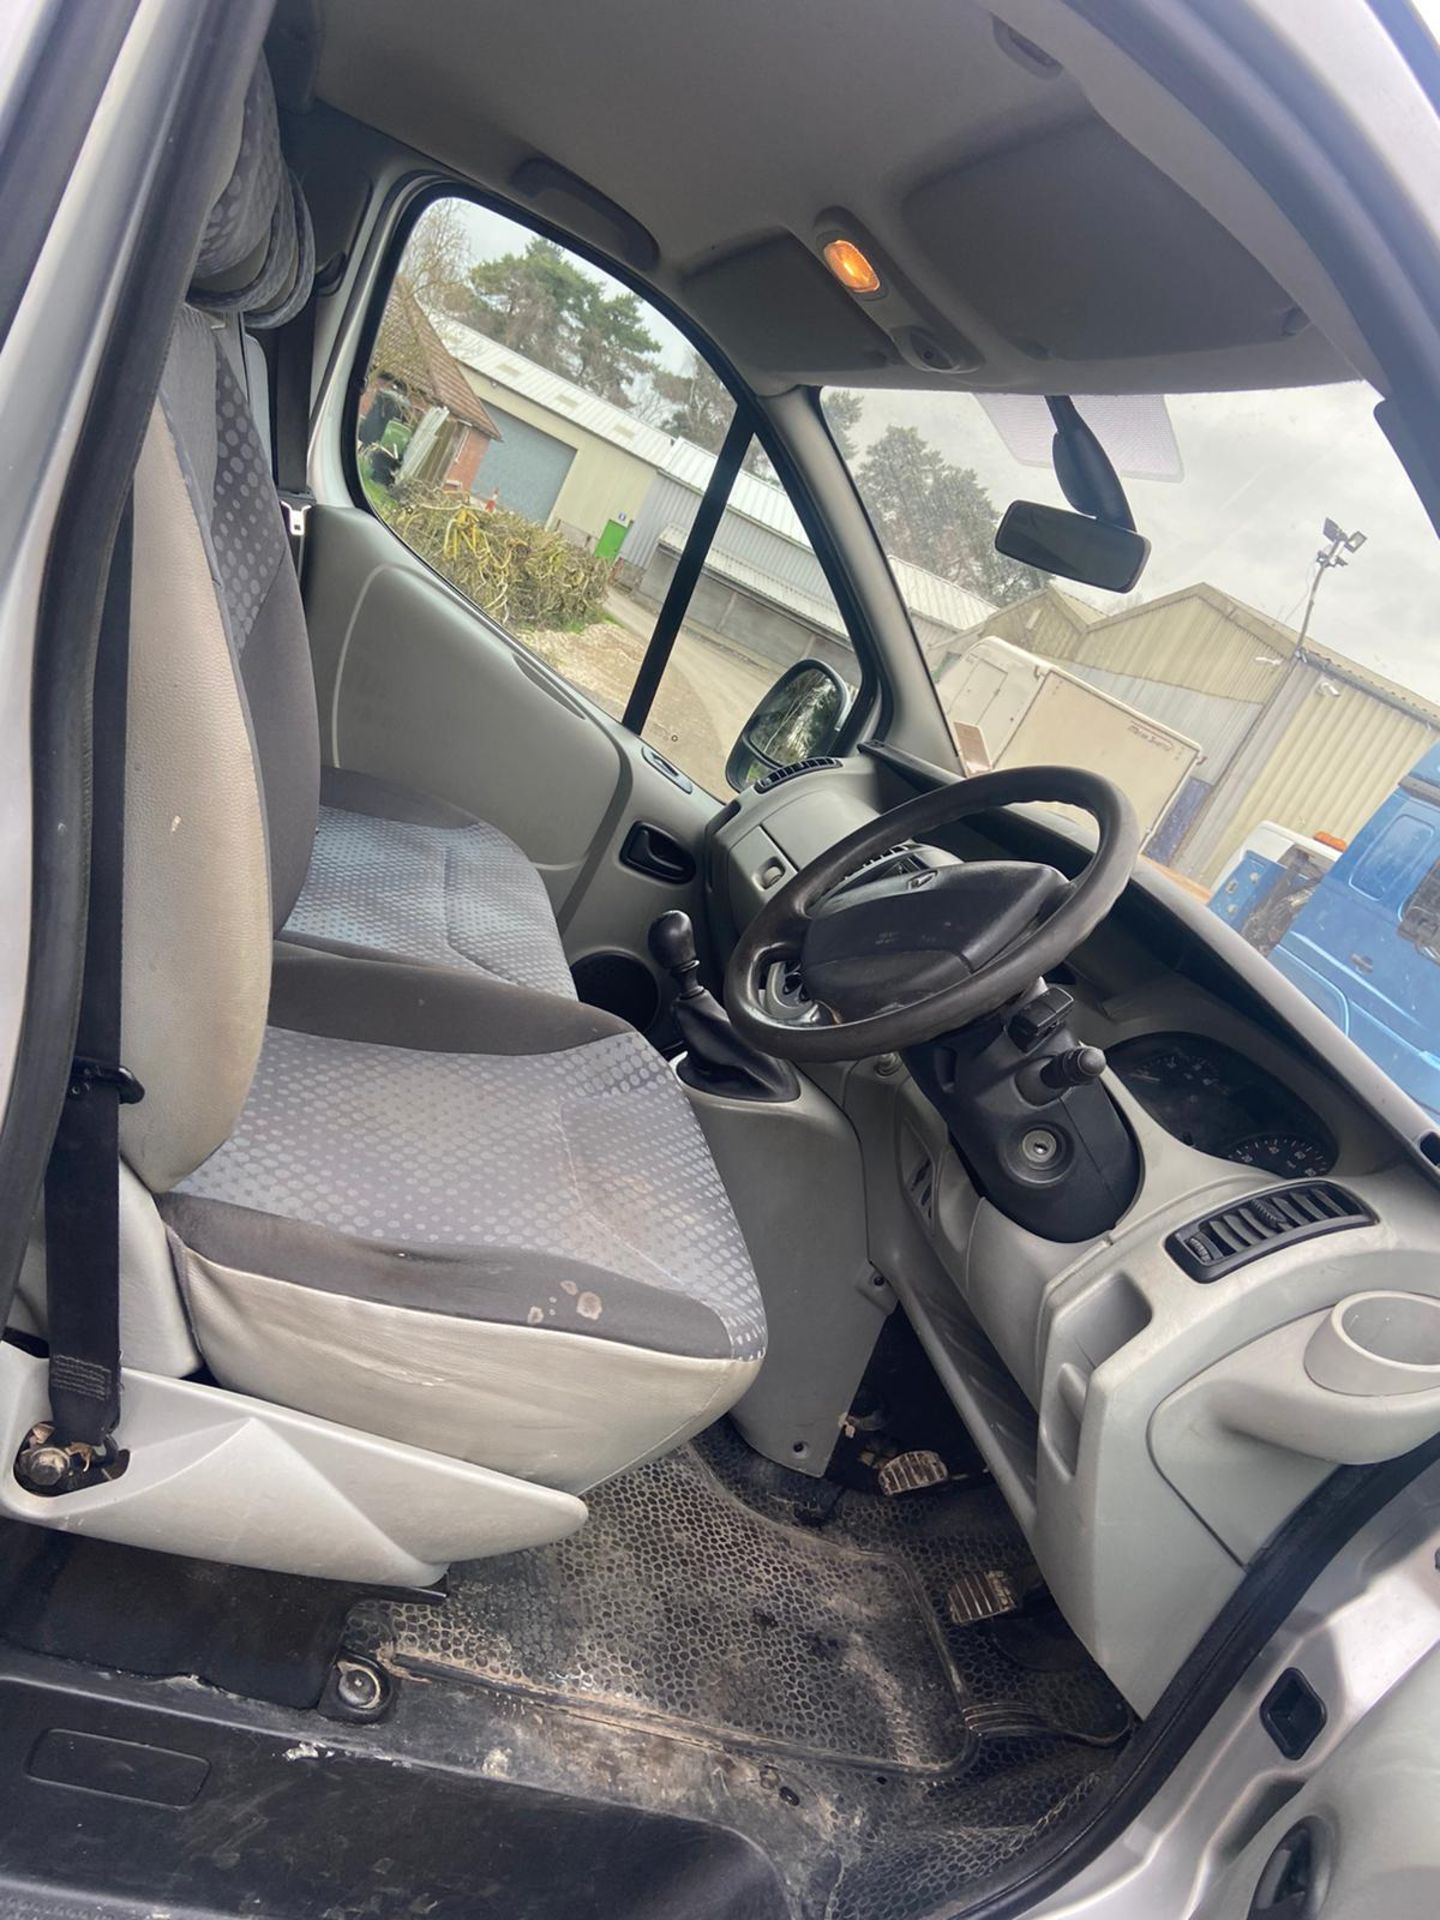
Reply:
x=522 y=574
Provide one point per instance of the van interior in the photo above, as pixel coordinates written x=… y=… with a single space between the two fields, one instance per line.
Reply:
x=723 y=1297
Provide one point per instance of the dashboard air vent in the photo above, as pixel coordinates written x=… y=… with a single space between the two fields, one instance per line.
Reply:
x=1262 y=1222
x=894 y=860
x=774 y=779
x=903 y=859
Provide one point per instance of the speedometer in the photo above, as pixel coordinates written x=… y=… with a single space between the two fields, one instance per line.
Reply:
x=1287 y=1154
x=1215 y=1100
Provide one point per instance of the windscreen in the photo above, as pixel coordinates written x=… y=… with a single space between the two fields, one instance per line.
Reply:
x=1268 y=695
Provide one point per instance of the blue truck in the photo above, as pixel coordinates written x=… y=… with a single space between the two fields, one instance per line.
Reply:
x=1362 y=940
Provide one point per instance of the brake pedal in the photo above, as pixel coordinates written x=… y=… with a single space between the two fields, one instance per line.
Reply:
x=909 y=1472
x=981 y=1596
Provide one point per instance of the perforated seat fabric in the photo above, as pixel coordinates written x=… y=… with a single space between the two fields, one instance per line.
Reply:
x=398 y=1239
x=402 y=875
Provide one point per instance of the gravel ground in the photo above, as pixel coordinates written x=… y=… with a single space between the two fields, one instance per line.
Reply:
x=707 y=692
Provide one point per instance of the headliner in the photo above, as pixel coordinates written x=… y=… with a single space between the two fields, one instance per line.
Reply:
x=1033 y=246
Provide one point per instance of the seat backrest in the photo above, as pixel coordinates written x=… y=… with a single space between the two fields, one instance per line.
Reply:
x=223 y=756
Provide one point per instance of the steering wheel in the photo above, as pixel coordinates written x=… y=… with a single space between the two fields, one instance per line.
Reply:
x=894 y=962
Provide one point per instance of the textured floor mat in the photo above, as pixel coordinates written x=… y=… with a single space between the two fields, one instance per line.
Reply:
x=941 y=1536
x=677 y=1602
x=727 y=1640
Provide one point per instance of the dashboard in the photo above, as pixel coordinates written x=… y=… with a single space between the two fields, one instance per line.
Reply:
x=1218 y=1102
x=1130 y=1412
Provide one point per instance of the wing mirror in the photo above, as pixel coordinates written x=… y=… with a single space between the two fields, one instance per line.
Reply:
x=799 y=718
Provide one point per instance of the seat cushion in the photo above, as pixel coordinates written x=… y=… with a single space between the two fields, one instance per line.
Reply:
x=526 y=1260
x=401 y=875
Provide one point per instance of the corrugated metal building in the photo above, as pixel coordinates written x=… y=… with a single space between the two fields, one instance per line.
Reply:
x=1312 y=740
x=760 y=533
x=740 y=605
x=1329 y=746
x=566 y=458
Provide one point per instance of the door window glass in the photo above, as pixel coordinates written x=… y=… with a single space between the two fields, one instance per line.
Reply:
x=1420 y=921
x=531 y=429
x=761 y=605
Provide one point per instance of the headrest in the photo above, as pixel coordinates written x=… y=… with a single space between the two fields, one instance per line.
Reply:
x=257 y=255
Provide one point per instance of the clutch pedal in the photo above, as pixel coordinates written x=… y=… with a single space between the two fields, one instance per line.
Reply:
x=909 y=1472
x=981 y=1596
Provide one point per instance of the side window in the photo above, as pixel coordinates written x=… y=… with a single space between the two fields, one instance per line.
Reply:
x=513 y=431
x=760 y=611
x=544 y=438
x=1420 y=920
x=1393 y=857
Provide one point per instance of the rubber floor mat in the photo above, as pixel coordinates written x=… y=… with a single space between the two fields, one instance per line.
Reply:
x=940 y=1536
x=678 y=1603
x=726 y=1641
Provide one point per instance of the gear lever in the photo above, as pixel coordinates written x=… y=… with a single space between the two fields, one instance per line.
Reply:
x=717 y=1059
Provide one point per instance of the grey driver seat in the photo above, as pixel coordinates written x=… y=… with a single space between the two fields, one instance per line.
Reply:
x=423 y=1200
x=358 y=865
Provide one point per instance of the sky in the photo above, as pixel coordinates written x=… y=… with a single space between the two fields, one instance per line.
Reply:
x=1261 y=473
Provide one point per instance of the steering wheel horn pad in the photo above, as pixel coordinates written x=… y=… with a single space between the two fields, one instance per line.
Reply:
x=869 y=949
x=899 y=961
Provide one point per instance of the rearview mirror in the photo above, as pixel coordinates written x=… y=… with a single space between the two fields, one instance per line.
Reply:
x=797 y=719
x=1072 y=545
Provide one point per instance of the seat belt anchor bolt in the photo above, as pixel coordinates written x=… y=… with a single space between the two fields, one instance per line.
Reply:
x=358 y=1689
x=48 y=1466
x=43 y=1468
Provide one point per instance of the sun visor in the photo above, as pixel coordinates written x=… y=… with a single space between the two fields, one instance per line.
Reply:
x=1055 y=243
x=1135 y=430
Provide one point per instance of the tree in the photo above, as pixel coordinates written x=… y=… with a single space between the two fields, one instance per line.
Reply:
x=843 y=407
x=700 y=408
x=1003 y=580
x=543 y=305
x=611 y=345
x=437 y=258
x=938 y=516
x=896 y=477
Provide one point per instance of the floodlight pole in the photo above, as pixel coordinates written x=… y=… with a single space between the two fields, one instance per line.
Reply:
x=1338 y=543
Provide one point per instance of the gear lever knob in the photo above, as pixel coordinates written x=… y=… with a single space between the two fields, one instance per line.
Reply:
x=716 y=1059
x=672 y=942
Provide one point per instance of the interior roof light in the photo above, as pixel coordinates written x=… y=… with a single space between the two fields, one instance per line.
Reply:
x=850 y=267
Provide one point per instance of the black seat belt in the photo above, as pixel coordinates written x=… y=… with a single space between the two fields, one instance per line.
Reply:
x=293 y=361
x=82 y=1180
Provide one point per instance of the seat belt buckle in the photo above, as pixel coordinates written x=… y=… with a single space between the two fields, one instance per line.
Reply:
x=296 y=508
